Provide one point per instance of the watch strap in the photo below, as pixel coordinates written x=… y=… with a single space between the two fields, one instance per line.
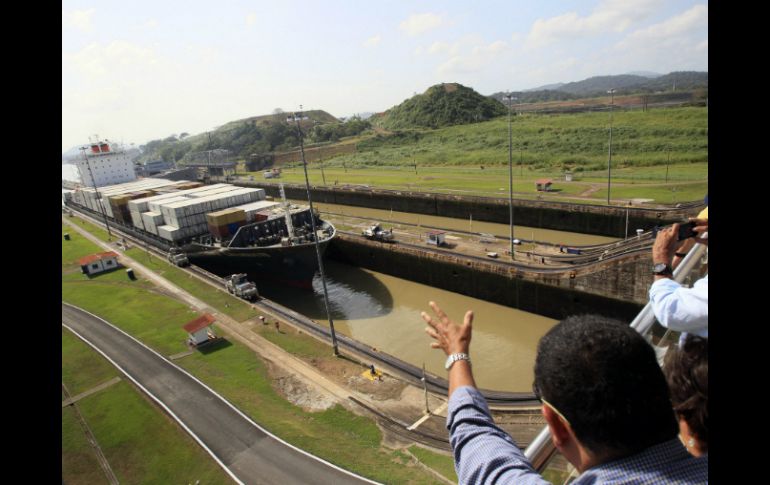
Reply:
x=455 y=357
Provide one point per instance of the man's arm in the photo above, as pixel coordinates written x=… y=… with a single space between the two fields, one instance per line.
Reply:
x=483 y=453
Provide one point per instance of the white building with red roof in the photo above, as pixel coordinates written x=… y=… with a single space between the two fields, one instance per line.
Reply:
x=198 y=329
x=98 y=263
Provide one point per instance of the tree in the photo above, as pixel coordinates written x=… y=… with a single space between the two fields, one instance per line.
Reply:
x=278 y=111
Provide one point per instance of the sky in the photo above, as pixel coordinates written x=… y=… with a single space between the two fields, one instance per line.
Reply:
x=142 y=70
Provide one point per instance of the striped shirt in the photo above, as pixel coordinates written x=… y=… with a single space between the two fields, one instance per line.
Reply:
x=486 y=454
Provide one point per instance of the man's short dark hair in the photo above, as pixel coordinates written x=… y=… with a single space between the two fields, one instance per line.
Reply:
x=604 y=378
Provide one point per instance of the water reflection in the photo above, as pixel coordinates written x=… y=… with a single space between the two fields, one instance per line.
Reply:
x=384 y=312
x=354 y=294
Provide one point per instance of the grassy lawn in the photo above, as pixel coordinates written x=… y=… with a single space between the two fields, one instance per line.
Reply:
x=234 y=307
x=77 y=247
x=79 y=463
x=443 y=464
x=646 y=145
x=239 y=375
x=141 y=444
x=96 y=231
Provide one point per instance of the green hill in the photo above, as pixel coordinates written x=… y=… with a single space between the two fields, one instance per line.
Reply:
x=442 y=105
x=255 y=135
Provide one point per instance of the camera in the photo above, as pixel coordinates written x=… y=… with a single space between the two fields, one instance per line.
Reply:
x=686 y=230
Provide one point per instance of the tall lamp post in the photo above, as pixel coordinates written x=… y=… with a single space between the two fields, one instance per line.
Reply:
x=609 y=158
x=509 y=97
x=315 y=236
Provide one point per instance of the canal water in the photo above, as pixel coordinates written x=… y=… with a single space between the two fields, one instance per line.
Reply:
x=384 y=312
x=521 y=232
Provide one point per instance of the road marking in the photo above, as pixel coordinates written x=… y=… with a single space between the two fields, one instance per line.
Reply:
x=426 y=416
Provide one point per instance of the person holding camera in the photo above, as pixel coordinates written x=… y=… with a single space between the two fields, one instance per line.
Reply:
x=677 y=307
x=604 y=398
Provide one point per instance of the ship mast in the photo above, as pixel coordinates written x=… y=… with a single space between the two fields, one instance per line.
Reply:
x=287 y=209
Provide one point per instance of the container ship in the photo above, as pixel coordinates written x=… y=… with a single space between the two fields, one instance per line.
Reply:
x=222 y=228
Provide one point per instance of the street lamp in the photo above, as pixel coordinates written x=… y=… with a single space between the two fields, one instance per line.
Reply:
x=509 y=97
x=609 y=159
x=315 y=235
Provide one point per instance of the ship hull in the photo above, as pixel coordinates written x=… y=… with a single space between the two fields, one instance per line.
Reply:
x=291 y=265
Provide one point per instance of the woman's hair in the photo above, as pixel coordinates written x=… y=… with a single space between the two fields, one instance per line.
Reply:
x=687 y=371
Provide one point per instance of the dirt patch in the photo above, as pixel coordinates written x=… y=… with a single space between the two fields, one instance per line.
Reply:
x=300 y=393
x=348 y=373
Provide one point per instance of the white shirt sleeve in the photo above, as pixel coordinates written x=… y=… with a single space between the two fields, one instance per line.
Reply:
x=679 y=308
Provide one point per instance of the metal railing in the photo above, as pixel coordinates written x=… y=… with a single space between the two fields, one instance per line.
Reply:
x=541 y=450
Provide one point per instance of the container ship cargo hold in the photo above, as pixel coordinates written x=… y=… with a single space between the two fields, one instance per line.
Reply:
x=222 y=228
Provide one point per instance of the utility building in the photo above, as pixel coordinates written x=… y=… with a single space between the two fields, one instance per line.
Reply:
x=98 y=263
x=199 y=331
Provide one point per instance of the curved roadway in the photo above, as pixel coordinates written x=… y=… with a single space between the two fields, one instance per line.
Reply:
x=246 y=451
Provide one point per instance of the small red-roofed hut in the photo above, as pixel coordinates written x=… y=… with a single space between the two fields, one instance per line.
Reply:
x=98 y=263
x=198 y=329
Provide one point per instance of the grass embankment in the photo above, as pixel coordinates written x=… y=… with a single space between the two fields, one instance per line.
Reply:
x=141 y=444
x=236 y=372
x=665 y=148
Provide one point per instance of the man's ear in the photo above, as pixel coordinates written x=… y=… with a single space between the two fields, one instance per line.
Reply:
x=559 y=429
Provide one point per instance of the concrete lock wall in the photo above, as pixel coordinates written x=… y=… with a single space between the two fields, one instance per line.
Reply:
x=584 y=218
x=614 y=289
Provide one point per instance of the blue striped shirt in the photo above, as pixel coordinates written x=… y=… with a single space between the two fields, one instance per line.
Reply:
x=484 y=453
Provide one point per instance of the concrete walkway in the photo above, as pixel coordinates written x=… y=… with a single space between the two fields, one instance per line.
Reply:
x=74 y=399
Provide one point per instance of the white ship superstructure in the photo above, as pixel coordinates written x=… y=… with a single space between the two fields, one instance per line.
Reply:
x=104 y=163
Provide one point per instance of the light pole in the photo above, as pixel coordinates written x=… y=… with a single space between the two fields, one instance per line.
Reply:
x=509 y=97
x=609 y=158
x=315 y=237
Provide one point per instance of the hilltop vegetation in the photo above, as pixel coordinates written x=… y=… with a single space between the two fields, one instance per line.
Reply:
x=442 y=105
x=255 y=136
x=545 y=142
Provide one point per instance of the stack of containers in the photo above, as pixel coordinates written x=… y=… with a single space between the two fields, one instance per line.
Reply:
x=185 y=219
x=254 y=210
x=118 y=205
x=225 y=223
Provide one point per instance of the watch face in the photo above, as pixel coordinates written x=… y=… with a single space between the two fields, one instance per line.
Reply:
x=659 y=268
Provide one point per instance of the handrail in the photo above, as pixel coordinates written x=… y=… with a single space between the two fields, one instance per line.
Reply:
x=540 y=451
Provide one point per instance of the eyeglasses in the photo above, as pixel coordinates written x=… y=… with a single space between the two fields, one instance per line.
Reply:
x=536 y=392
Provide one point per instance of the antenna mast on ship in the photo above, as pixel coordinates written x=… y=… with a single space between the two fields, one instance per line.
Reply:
x=287 y=209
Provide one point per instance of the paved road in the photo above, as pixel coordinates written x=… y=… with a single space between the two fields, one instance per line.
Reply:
x=252 y=455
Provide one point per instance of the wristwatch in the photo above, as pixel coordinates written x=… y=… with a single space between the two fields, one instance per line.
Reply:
x=662 y=269
x=454 y=358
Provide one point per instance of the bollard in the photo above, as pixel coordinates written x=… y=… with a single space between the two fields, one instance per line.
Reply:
x=130 y=273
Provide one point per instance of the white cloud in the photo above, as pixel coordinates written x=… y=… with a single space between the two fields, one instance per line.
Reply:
x=251 y=19
x=79 y=19
x=668 y=31
x=98 y=61
x=608 y=16
x=151 y=24
x=439 y=48
x=471 y=58
x=419 y=23
x=373 y=41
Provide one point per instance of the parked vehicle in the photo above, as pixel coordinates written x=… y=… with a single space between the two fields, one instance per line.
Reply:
x=239 y=286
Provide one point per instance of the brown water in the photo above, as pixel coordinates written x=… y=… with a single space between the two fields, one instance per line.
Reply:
x=520 y=232
x=384 y=312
